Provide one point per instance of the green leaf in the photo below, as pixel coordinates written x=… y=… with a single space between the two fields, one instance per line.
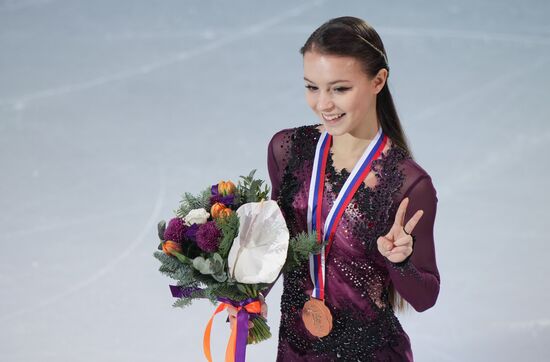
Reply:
x=249 y=189
x=220 y=277
x=182 y=258
x=161 y=227
x=202 y=265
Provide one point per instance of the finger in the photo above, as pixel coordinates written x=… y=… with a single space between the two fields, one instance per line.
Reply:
x=413 y=221
x=396 y=258
x=250 y=324
x=384 y=244
x=405 y=240
x=404 y=250
x=264 y=310
x=231 y=310
x=401 y=210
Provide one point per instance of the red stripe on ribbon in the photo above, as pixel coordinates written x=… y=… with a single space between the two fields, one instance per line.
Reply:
x=355 y=187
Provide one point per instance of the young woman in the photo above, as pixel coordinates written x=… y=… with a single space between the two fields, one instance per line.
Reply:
x=352 y=180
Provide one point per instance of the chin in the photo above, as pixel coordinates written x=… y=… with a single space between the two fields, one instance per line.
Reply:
x=335 y=130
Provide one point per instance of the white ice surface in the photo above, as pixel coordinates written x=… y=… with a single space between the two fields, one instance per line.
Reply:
x=110 y=110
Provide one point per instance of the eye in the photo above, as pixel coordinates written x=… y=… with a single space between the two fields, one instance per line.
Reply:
x=311 y=87
x=342 y=89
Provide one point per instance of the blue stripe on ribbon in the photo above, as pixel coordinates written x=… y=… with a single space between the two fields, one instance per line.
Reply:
x=324 y=145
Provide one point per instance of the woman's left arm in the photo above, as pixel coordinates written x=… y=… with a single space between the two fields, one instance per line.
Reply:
x=415 y=276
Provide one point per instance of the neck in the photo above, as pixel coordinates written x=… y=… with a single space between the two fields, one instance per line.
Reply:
x=356 y=140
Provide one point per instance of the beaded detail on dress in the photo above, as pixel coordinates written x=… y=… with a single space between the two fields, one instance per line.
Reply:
x=357 y=277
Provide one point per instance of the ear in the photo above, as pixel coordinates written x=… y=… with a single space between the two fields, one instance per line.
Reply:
x=379 y=80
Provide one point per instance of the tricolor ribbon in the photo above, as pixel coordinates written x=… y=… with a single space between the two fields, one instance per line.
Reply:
x=315 y=201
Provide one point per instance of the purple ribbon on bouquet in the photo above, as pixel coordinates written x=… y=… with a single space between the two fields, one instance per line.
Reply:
x=243 y=315
x=182 y=292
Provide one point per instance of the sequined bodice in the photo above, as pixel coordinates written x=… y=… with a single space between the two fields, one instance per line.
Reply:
x=357 y=275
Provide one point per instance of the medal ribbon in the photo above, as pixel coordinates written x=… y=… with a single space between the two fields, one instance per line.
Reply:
x=315 y=201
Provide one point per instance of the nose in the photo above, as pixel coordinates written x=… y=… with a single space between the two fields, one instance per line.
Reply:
x=324 y=102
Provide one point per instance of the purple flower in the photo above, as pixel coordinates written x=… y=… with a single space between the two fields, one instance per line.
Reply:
x=214 y=190
x=208 y=237
x=226 y=200
x=191 y=232
x=217 y=197
x=176 y=230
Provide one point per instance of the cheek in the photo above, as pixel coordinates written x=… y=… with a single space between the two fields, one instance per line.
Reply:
x=358 y=104
x=311 y=100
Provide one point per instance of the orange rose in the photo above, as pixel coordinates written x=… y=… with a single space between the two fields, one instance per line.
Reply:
x=226 y=188
x=170 y=246
x=216 y=208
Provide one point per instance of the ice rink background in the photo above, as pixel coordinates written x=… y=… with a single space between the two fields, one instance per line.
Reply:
x=110 y=110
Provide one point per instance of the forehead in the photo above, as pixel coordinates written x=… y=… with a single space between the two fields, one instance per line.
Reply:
x=320 y=68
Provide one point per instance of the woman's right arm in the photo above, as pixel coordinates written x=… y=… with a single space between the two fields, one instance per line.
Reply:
x=277 y=159
x=278 y=152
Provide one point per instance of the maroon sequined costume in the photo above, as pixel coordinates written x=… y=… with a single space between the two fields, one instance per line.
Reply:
x=365 y=327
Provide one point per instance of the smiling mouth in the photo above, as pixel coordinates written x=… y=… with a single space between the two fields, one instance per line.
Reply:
x=332 y=118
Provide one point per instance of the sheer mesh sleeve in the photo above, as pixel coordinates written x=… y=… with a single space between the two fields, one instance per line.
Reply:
x=278 y=154
x=417 y=278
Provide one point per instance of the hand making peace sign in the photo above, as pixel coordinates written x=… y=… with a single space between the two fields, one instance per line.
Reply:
x=397 y=244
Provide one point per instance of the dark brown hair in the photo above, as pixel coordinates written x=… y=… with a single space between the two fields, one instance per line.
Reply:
x=353 y=37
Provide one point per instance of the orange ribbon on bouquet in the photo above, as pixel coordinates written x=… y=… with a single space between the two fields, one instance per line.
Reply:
x=236 y=347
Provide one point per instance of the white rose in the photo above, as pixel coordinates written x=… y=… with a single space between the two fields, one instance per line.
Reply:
x=196 y=216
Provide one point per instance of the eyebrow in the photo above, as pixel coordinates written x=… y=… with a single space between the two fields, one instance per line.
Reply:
x=336 y=81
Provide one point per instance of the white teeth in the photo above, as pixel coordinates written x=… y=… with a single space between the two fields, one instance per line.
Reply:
x=332 y=117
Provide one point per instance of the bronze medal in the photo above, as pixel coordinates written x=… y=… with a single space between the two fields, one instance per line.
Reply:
x=317 y=317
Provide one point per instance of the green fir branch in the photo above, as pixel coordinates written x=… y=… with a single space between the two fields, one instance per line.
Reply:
x=190 y=202
x=185 y=276
x=299 y=248
x=169 y=262
x=173 y=268
x=182 y=302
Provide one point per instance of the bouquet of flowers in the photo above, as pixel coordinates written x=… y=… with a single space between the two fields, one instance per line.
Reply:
x=228 y=244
